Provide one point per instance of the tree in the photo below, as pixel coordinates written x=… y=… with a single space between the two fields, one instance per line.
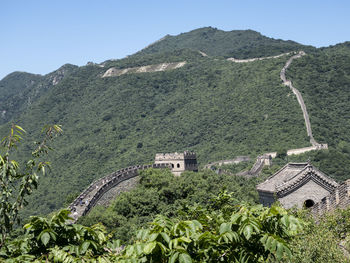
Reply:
x=17 y=183
x=220 y=233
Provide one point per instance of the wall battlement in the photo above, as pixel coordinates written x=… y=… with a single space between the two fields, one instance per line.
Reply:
x=175 y=156
x=180 y=162
x=339 y=198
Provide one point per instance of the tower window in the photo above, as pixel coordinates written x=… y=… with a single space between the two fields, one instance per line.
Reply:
x=178 y=165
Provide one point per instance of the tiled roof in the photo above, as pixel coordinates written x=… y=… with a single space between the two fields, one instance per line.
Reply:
x=292 y=176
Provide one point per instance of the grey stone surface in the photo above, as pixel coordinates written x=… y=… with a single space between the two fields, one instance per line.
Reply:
x=294 y=184
x=124 y=186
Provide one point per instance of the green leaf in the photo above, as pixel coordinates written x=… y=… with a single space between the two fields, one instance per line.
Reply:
x=184 y=239
x=173 y=257
x=225 y=227
x=84 y=247
x=165 y=237
x=248 y=231
x=185 y=258
x=149 y=247
x=45 y=238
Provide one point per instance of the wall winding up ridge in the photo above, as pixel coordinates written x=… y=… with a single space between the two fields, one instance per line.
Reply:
x=260 y=161
x=298 y=95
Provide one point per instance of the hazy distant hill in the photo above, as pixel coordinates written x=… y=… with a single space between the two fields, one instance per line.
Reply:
x=215 y=107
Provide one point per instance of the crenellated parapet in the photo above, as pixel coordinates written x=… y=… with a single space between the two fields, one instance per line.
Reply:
x=90 y=196
x=180 y=162
x=339 y=198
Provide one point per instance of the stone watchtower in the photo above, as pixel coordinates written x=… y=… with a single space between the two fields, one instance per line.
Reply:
x=296 y=184
x=180 y=162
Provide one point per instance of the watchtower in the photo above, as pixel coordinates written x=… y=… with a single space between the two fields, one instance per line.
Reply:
x=180 y=162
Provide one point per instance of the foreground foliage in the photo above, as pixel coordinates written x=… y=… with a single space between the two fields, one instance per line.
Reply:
x=159 y=192
x=325 y=240
x=229 y=234
x=220 y=232
x=16 y=183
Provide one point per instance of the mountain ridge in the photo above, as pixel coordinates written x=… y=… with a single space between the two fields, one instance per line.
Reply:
x=210 y=105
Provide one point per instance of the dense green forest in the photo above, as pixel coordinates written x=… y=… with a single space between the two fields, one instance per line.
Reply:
x=214 y=42
x=200 y=222
x=159 y=192
x=215 y=107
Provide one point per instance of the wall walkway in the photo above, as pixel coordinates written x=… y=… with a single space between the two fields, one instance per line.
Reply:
x=91 y=195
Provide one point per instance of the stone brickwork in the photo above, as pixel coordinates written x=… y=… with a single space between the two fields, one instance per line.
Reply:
x=94 y=192
x=106 y=188
x=236 y=160
x=339 y=198
x=309 y=191
x=115 y=72
x=257 y=59
x=296 y=185
x=180 y=162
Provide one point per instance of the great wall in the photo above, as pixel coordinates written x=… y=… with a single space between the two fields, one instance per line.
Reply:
x=96 y=190
x=258 y=165
x=114 y=72
x=93 y=193
x=340 y=198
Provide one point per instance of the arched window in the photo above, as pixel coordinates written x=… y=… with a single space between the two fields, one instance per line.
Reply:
x=172 y=165
x=178 y=165
x=309 y=203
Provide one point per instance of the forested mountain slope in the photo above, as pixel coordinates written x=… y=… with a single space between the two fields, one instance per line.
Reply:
x=323 y=77
x=20 y=89
x=214 y=42
x=215 y=107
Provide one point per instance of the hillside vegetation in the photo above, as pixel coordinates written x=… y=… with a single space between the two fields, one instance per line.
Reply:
x=214 y=42
x=212 y=106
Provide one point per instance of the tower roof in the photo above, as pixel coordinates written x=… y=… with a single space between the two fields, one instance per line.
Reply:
x=293 y=176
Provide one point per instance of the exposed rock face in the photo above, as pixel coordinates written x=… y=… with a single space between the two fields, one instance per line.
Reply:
x=56 y=76
x=114 y=72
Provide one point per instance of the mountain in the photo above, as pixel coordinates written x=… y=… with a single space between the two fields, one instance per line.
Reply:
x=203 y=102
x=20 y=89
x=236 y=43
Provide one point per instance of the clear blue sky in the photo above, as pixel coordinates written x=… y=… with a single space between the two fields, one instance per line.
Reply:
x=39 y=36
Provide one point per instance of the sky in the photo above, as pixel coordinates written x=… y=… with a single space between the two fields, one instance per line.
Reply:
x=39 y=36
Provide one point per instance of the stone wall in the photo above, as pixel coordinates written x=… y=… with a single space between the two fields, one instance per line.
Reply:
x=236 y=160
x=307 y=149
x=309 y=191
x=94 y=192
x=115 y=72
x=340 y=198
x=180 y=162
